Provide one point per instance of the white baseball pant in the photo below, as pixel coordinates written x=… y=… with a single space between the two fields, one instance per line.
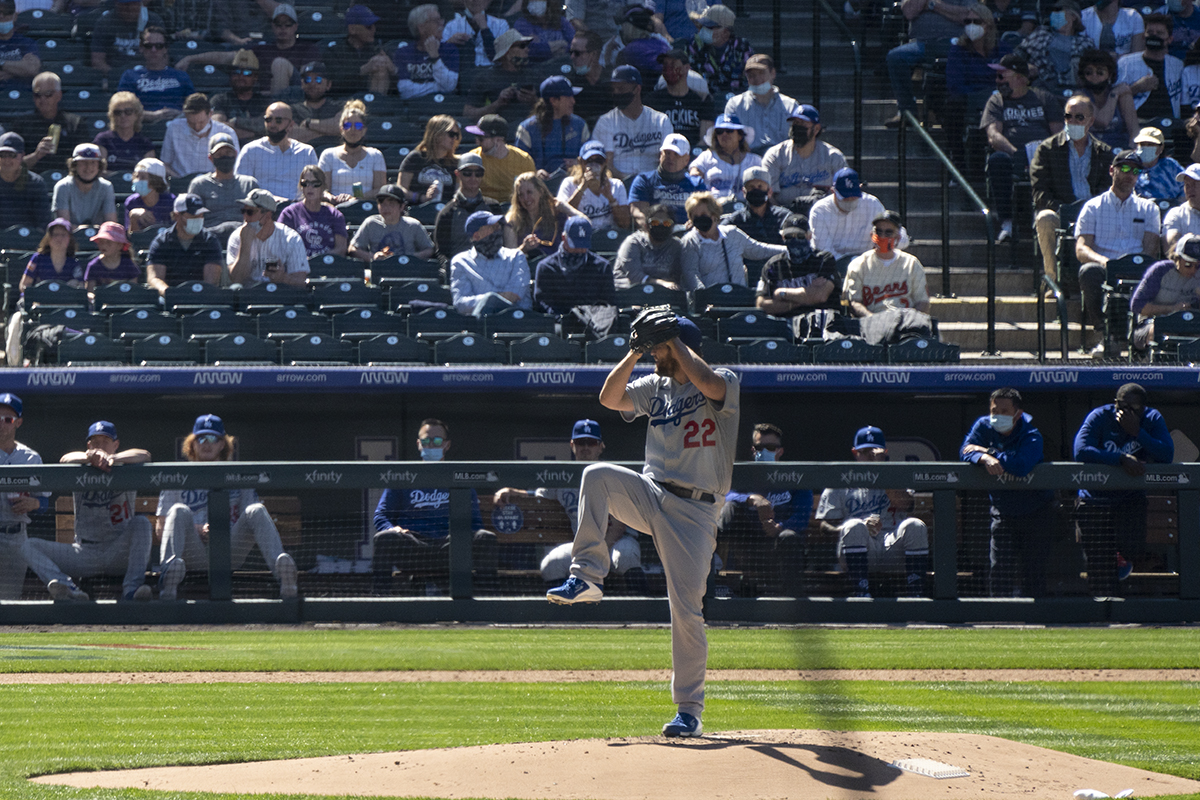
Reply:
x=128 y=553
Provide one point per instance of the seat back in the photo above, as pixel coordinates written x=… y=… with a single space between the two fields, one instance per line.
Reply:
x=543 y=348
x=518 y=320
x=418 y=294
x=914 y=351
x=725 y=295
x=651 y=294
x=91 y=348
x=330 y=267
x=194 y=295
x=468 y=348
x=347 y=294
x=49 y=295
x=138 y=323
x=165 y=348
x=287 y=322
x=75 y=319
x=240 y=348
x=114 y=297
x=391 y=348
x=267 y=296
x=753 y=324
x=315 y=348
x=773 y=351
x=848 y=351
x=216 y=322
x=609 y=350
x=404 y=268
x=442 y=320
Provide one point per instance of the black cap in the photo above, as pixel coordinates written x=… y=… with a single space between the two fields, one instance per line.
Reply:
x=1016 y=64
x=678 y=53
x=888 y=216
x=317 y=67
x=794 y=225
x=1127 y=157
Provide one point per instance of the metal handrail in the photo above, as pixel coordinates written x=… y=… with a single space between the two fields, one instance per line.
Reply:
x=949 y=171
x=820 y=6
x=1064 y=333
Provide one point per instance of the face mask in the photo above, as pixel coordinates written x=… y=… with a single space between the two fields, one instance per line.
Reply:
x=799 y=249
x=536 y=8
x=762 y=88
x=703 y=224
x=704 y=36
x=224 y=163
x=1076 y=131
x=800 y=135
x=1004 y=89
x=1057 y=19
x=1148 y=155
x=764 y=455
x=756 y=198
x=255 y=226
x=520 y=61
x=584 y=70
x=1156 y=43
x=1099 y=87
x=431 y=453
x=573 y=261
x=659 y=233
x=6 y=27
x=883 y=244
x=1001 y=424
x=1103 y=4
x=974 y=32
x=846 y=205
x=489 y=246
x=623 y=99
x=276 y=136
x=140 y=187
x=194 y=226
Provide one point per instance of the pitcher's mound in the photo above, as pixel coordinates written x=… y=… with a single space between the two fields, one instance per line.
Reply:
x=738 y=765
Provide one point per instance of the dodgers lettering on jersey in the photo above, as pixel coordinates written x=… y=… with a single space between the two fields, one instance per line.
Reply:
x=197 y=501
x=837 y=505
x=100 y=516
x=428 y=498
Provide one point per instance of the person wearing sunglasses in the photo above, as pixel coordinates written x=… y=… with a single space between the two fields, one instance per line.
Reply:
x=449 y=228
x=321 y=226
x=283 y=53
x=535 y=218
x=427 y=172
x=15 y=507
x=242 y=107
x=1111 y=225
x=652 y=254
x=161 y=88
x=263 y=251
x=352 y=170
x=276 y=159
x=595 y=96
x=592 y=190
x=412 y=531
x=318 y=115
x=885 y=277
x=426 y=65
x=504 y=162
x=1168 y=286
x=109 y=538
x=185 y=144
x=35 y=127
x=183 y=520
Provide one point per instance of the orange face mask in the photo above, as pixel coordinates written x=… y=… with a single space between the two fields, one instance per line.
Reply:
x=884 y=244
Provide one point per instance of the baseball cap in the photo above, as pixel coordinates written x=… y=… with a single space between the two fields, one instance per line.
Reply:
x=1149 y=136
x=219 y=140
x=805 y=111
x=756 y=174
x=1188 y=248
x=846 y=183
x=729 y=122
x=794 y=225
x=103 y=428
x=471 y=160
x=677 y=143
x=189 y=204
x=244 y=59
x=12 y=142
x=259 y=198
x=85 y=152
x=9 y=6
x=678 y=54
x=718 y=16
x=1127 y=157
x=59 y=222
x=1014 y=62
x=591 y=148
x=558 y=86
x=490 y=125
x=639 y=17
x=889 y=216
x=314 y=68
x=112 y=231
x=578 y=231
x=151 y=166
x=506 y=40
x=1192 y=171
x=12 y=401
x=393 y=191
x=197 y=101
x=869 y=438
x=759 y=61
x=286 y=10
x=586 y=429
x=208 y=423
x=361 y=15
x=689 y=334
x=626 y=74
x=478 y=220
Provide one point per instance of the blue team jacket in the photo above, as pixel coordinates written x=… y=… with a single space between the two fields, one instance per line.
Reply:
x=1020 y=451
x=425 y=512
x=1102 y=440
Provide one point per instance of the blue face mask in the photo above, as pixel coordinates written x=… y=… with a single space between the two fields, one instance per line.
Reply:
x=1001 y=424
x=1057 y=19
x=704 y=36
x=141 y=187
x=764 y=455
x=431 y=453
x=6 y=27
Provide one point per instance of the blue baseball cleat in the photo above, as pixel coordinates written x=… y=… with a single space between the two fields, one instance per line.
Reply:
x=575 y=590
x=684 y=724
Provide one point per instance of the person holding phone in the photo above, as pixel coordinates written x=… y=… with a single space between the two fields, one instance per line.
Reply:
x=260 y=251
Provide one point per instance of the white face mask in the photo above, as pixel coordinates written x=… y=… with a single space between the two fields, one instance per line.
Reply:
x=974 y=32
x=194 y=226
x=1076 y=131
x=1001 y=424
x=764 y=455
x=761 y=88
x=847 y=204
x=431 y=453
x=536 y=7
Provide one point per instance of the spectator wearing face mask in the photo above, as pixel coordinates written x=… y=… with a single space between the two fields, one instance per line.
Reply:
x=669 y=184
x=1186 y=26
x=717 y=54
x=714 y=254
x=1154 y=77
x=1053 y=50
x=573 y=275
x=970 y=81
x=802 y=168
x=1159 y=171
x=841 y=221
x=885 y=277
x=761 y=219
x=221 y=189
x=185 y=251
x=801 y=280
x=762 y=106
x=632 y=133
x=652 y=254
x=489 y=277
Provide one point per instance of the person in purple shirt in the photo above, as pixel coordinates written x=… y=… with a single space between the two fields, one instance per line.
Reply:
x=150 y=204
x=18 y=54
x=55 y=258
x=113 y=264
x=123 y=145
x=1112 y=525
x=551 y=32
x=161 y=88
x=320 y=225
x=1166 y=287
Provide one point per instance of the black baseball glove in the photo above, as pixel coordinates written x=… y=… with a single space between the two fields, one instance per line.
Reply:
x=654 y=326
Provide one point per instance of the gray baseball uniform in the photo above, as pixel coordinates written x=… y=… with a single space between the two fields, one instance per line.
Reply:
x=109 y=540
x=556 y=564
x=250 y=524
x=899 y=534
x=12 y=529
x=690 y=443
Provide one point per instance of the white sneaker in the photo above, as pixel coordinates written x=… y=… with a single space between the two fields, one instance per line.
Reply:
x=1098 y=352
x=1005 y=231
x=169 y=578
x=285 y=571
x=60 y=590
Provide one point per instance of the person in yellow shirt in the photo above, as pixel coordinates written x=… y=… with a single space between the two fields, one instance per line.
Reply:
x=502 y=162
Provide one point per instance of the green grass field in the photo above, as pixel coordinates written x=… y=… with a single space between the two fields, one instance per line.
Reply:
x=54 y=728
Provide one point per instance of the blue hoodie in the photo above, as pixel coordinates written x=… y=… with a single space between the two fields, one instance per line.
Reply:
x=425 y=512
x=1102 y=440
x=1019 y=452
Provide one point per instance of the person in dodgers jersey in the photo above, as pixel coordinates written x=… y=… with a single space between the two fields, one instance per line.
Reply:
x=109 y=538
x=677 y=497
x=16 y=506
x=183 y=520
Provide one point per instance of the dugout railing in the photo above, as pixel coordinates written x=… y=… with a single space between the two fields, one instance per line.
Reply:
x=943 y=481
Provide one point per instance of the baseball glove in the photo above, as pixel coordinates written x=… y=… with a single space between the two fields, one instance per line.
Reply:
x=654 y=326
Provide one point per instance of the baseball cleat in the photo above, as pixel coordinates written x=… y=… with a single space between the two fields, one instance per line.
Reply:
x=575 y=590
x=169 y=578
x=684 y=724
x=285 y=570
x=65 y=590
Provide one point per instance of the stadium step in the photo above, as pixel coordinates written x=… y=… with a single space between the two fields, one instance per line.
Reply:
x=1010 y=336
x=1008 y=309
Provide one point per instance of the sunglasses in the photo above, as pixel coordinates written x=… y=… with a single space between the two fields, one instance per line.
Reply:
x=155 y=46
x=888 y=232
x=661 y=223
x=311 y=184
x=7 y=420
x=432 y=441
x=245 y=73
x=472 y=173
x=1128 y=168
x=250 y=212
x=578 y=53
x=353 y=126
x=125 y=112
x=313 y=79
x=1075 y=117
x=208 y=438
x=276 y=120
x=972 y=21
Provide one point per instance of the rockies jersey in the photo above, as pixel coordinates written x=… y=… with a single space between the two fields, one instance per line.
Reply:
x=197 y=501
x=691 y=440
x=837 y=505
x=102 y=516
x=879 y=284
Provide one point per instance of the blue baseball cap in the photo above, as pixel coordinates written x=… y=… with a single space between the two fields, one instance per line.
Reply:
x=12 y=401
x=578 y=231
x=626 y=74
x=869 y=438
x=103 y=428
x=558 y=86
x=209 y=423
x=361 y=15
x=689 y=334
x=591 y=148
x=586 y=429
x=846 y=183
x=805 y=111
x=478 y=220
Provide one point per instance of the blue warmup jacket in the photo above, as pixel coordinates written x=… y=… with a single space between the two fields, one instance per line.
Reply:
x=1020 y=451
x=1102 y=440
x=425 y=512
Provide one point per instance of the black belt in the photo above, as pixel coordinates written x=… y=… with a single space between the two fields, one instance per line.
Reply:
x=688 y=494
x=12 y=528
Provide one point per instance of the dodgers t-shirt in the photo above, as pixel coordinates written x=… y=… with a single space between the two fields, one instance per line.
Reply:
x=649 y=187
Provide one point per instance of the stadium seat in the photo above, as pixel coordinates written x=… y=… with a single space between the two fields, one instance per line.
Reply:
x=366 y=323
x=542 y=348
x=53 y=176
x=115 y=297
x=19 y=101
x=167 y=349
x=39 y=23
x=330 y=267
x=518 y=320
x=20 y=237
x=848 y=351
x=753 y=324
x=322 y=24
x=240 y=349
x=609 y=350
x=315 y=349
x=138 y=323
x=49 y=295
x=468 y=348
x=651 y=294
x=442 y=320
x=343 y=295
x=390 y=348
x=607 y=242
x=725 y=295
x=192 y=296
x=774 y=351
x=416 y=295
x=212 y=322
x=85 y=100
x=715 y=352
x=913 y=351
x=387 y=271
x=357 y=211
x=83 y=241
x=267 y=296
x=284 y=323
x=90 y=349
x=75 y=75
x=426 y=213
x=1121 y=277
x=75 y=319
